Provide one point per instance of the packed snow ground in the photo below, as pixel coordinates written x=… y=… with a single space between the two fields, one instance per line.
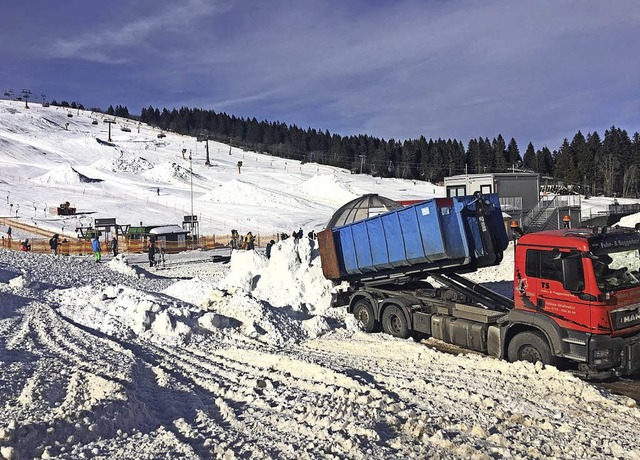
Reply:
x=196 y=359
x=247 y=360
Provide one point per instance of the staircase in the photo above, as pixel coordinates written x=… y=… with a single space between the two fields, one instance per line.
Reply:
x=547 y=214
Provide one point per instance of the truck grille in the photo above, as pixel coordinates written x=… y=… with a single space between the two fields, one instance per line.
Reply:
x=625 y=317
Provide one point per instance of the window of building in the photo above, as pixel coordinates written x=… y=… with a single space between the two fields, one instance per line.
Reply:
x=456 y=190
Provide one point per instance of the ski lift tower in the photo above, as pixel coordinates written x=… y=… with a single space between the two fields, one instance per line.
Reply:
x=191 y=222
x=110 y=122
x=26 y=93
x=205 y=139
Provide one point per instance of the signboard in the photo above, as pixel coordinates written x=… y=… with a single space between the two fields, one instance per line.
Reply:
x=190 y=219
x=104 y=222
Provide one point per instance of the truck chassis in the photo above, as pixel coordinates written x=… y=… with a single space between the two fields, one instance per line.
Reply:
x=468 y=315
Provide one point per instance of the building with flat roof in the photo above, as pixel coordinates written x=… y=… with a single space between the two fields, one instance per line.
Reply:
x=518 y=191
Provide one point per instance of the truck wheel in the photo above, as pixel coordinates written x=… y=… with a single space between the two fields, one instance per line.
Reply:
x=364 y=313
x=531 y=347
x=394 y=322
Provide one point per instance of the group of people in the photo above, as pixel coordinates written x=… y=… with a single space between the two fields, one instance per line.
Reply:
x=154 y=252
x=239 y=242
x=297 y=235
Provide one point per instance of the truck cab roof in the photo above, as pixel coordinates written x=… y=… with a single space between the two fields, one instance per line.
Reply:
x=607 y=239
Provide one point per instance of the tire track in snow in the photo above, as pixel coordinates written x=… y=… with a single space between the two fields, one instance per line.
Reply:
x=483 y=409
x=106 y=379
x=270 y=400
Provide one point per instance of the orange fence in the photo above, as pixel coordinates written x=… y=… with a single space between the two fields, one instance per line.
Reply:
x=75 y=246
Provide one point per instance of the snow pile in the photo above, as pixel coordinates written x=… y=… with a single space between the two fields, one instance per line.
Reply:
x=120 y=264
x=238 y=192
x=279 y=300
x=194 y=291
x=64 y=175
x=630 y=221
x=23 y=281
x=328 y=188
x=125 y=313
x=167 y=172
x=259 y=320
x=134 y=165
x=292 y=277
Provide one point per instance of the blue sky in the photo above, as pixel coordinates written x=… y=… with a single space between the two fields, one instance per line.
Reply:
x=537 y=71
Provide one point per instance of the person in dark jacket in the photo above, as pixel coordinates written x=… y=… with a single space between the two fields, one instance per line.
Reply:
x=97 y=249
x=53 y=244
x=152 y=252
x=268 y=250
x=114 y=246
x=234 y=239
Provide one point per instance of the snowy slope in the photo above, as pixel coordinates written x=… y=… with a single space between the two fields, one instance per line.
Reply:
x=45 y=162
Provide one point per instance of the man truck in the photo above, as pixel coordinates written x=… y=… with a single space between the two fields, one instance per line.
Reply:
x=576 y=292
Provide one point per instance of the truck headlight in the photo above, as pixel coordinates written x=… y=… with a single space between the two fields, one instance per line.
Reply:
x=603 y=356
x=602 y=353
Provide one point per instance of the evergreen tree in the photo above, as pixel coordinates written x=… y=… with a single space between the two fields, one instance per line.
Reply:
x=500 y=154
x=545 y=162
x=565 y=166
x=473 y=156
x=530 y=160
x=581 y=159
x=594 y=147
x=255 y=132
x=616 y=149
x=513 y=154
x=612 y=165
x=487 y=156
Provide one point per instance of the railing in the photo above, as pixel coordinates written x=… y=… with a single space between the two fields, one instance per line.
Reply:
x=547 y=208
x=623 y=208
x=537 y=213
x=510 y=203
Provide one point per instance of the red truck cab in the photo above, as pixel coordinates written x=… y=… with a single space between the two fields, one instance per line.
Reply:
x=579 y=291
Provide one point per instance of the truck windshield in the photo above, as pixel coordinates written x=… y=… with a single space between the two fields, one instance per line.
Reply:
x=618 y=270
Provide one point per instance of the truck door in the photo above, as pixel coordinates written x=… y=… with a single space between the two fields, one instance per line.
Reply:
x=570 y=309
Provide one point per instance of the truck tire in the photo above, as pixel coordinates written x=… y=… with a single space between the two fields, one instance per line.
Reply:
x=364 y=313
x=532 y=347
x=394 y=322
